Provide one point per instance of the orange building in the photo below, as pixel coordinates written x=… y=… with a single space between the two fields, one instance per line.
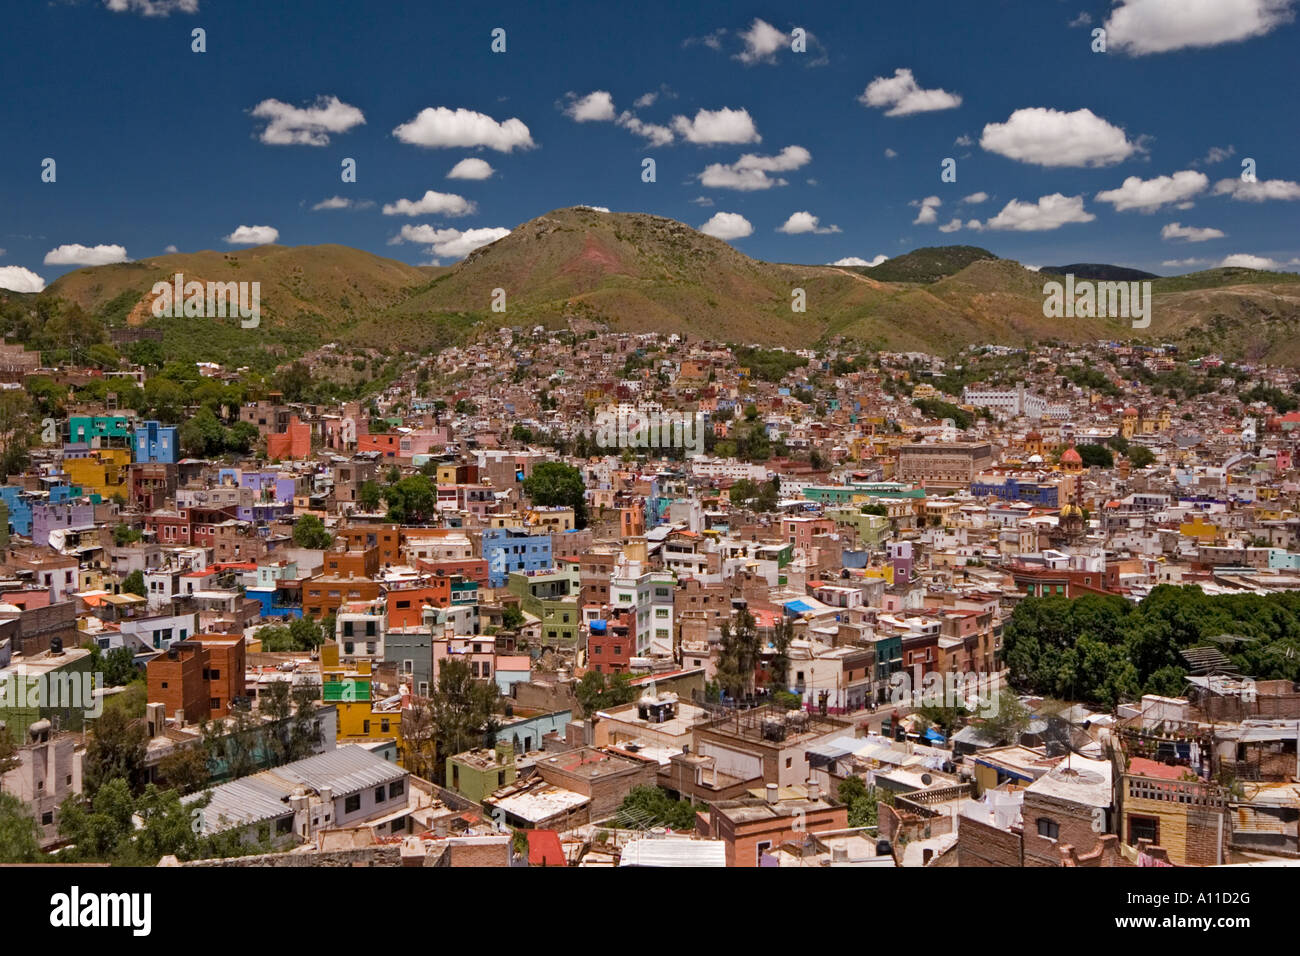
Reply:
x=199 y=676
x=406 y=605
x=293 y=442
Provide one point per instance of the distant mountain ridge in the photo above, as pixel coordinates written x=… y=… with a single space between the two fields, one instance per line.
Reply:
x=1099 y=272
x=638 y=272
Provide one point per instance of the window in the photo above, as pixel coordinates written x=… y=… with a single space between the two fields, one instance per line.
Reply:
x=1143 y=828
x=396 y=789
x=1048 y=828
x=365 y=727
x=352 y=804
x=284 y=826
x=381 y=793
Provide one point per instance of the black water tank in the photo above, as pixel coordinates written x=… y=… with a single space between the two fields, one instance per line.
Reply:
x=56 y=645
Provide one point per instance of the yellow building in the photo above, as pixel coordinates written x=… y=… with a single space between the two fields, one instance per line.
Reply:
x=104 y=472
x=1203 y=531
x=349 y=688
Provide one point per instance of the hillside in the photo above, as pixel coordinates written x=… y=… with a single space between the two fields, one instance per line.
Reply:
x=1099 y=272
x=639 y=273
x=928 y=264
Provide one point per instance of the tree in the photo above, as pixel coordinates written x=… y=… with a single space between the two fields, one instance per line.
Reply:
x=646 y=807
x=20 y=836
x=202 y=435
x=739 y=655
x=463 y=710
x=9 y=759
x=185 y=769
x=309 y=532
x=134 y=583
x=1141 y=456
x=555 y=484
x=595 y=693
x=411 y=500
x=116 y=751
x=1010 y=721
x=863 y=801
x=1095 y=456
x=368 y=496
x=781 y=639
x=15 y=431
x=124 y=535
x=241 y=437
x=512 y=618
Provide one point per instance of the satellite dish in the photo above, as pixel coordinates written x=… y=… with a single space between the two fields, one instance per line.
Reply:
x=927 y=779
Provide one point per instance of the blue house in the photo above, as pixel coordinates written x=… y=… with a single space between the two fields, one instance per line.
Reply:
x=20 y=509
x=514 y=549
x=156 y=442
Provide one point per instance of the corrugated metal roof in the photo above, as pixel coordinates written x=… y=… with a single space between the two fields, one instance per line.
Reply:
x=661 y=851
x=264 y=796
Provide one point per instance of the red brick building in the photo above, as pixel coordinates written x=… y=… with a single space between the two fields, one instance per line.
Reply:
x=199 y=676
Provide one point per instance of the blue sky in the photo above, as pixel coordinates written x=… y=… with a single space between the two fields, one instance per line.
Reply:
x=1131 y=156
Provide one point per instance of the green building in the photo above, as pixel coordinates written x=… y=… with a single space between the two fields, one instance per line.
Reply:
x=476 y=774
x=552 y=597
x=54 y=687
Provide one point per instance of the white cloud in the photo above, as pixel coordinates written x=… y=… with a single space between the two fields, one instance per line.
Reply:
x=1244 y=260
x=1148 y=195
x=890 y=152
x=656 y=134
x=252 y=236
x=18 y=279
x=976 y=198
x=306 y=126
x=804 y=222
x=761 y=40
x=471 y=168
x=856 y=261
x=1180 y=263
x=153 y=8
x=1082 y=20
x=431 y=204
x=76 y=254
x=1031 y=268
x=1050 y=212
x=1138 y=27
x=927 y=215
x=440 y=127
x=596 y=107
x=340 y=202
x=1218 y=154
x=727 y=225
x=1176 y=230
x=951 y=226
x=702 y=201
x=1261 y=190
x=450 y=243
x=904 y=96
x=645 y=99
x=750 y=172
x=171 y=250
x=712 y=40
x=1048 y=137
x=963 y=140
x=718 y=126
x=594 y=208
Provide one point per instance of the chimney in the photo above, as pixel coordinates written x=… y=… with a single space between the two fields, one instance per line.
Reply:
x=157 y=718
x=772 y=793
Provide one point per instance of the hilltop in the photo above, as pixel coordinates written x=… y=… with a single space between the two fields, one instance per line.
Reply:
x=638 y=272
